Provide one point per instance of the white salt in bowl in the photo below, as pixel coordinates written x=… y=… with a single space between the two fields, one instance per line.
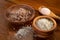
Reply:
x=43 y=33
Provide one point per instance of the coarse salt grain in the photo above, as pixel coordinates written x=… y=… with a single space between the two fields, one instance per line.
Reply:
x=44 y=24
x=20 y=14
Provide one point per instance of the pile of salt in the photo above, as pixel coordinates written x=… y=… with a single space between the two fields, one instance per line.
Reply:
x=44 y=24
x=24 y=34
x=44 y=11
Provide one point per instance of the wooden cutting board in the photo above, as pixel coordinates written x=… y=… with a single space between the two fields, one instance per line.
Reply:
x=6 y=33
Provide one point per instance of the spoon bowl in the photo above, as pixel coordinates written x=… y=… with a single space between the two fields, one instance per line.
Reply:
x=47 y=12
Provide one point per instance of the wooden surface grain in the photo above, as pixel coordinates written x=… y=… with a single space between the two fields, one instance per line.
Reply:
x=6 y=33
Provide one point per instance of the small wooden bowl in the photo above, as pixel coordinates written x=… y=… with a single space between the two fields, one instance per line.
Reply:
x=15 y=7
x=43 y=33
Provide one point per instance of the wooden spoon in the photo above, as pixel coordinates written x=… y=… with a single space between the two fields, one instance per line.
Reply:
x=45 y=11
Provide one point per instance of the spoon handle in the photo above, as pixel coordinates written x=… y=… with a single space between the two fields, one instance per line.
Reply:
x=57 y=17
x=54 y=16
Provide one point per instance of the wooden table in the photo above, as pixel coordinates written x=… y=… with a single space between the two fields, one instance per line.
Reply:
x=6 y=33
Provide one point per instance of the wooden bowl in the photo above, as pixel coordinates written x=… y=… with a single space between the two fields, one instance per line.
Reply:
x=43 y=33
x=16 y=7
